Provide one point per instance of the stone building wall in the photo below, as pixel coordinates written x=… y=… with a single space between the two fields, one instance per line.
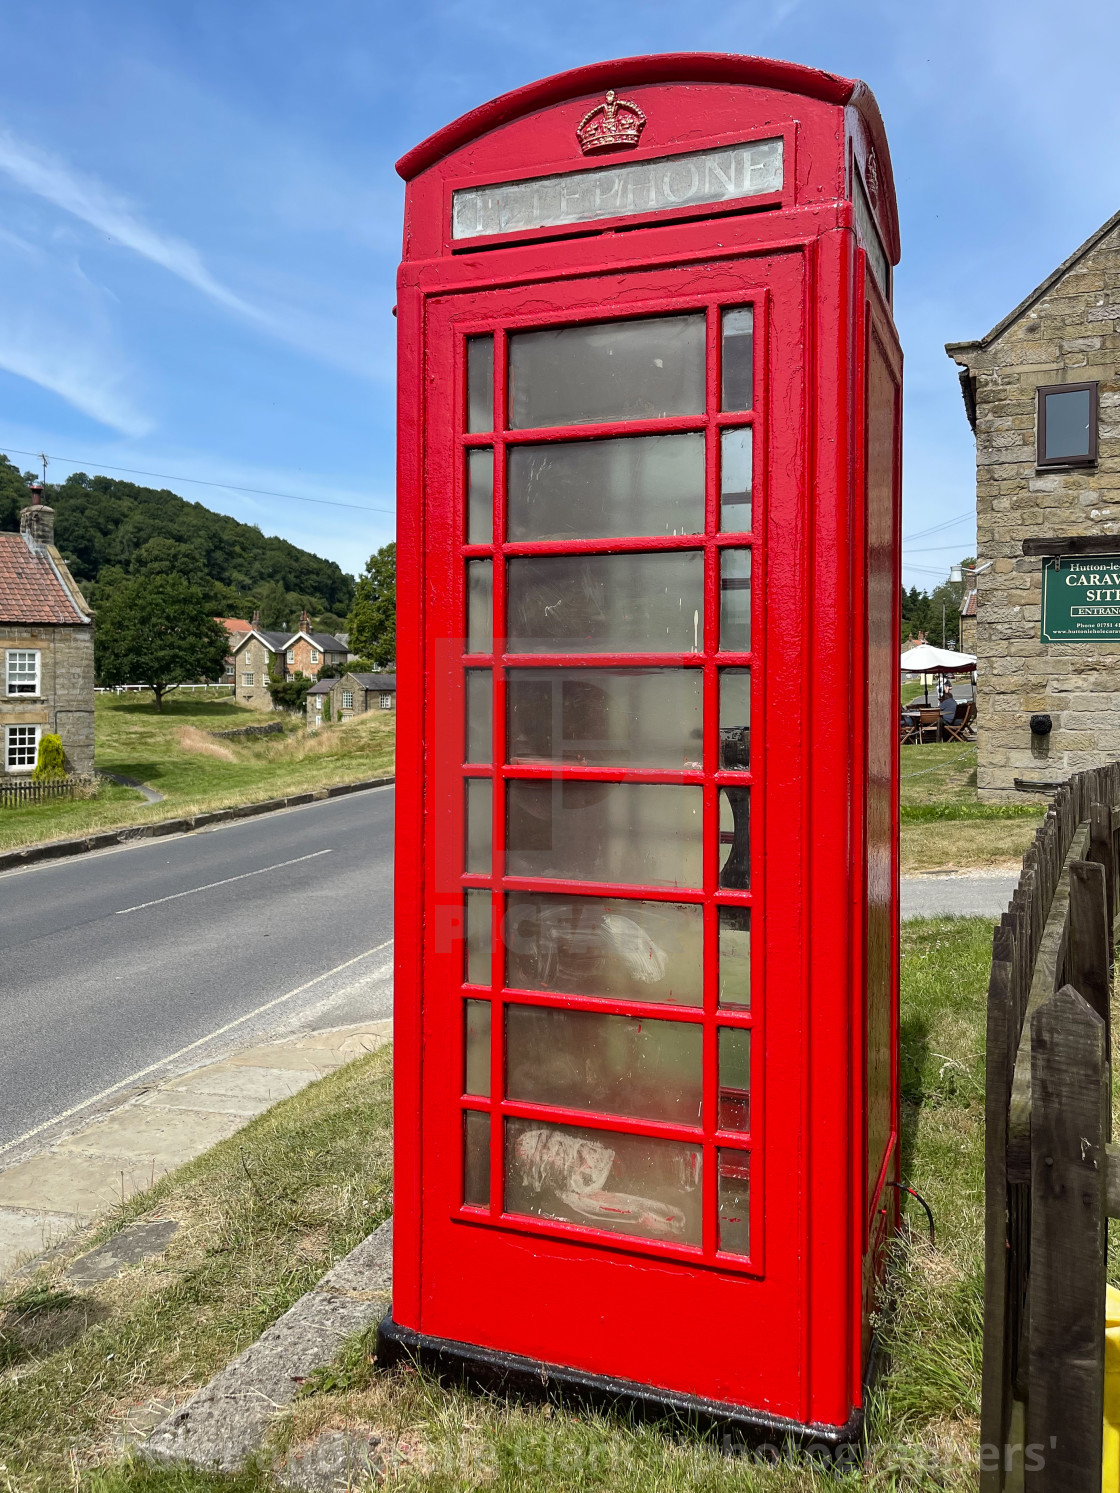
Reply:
x=255 y=659
x=1067 y=332
x=64 y=703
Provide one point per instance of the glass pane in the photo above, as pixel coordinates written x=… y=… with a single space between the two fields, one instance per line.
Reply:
x=615 y=1065
x=646 y=834
x=610 y=946
x=1067 y=424
x=476 y=1158
x=476 y=1078
x=612 y=370
x=625 y=717
x=735 y=837
x=630 y=1184
x=480 y=606
x=735 y=1202
x=735 y=601
x=480 y=720
x=480 y=383
x=651 y=603
x=479 y=935
x=736 y=479
x=734 y=1077
x=734 y=956
x=649 y=484
x=480 y=497
x=738 y=359
x=735 y=718
x=480 y=823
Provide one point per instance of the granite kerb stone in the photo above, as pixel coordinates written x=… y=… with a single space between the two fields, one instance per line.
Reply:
x=106 y=839
x=228 y=1420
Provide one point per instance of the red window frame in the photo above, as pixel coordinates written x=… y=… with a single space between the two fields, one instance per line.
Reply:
x=707 y=1138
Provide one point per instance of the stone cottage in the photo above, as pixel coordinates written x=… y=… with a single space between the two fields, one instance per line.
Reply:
x=1042 y=393
x=258 y=656
x=305 y=652
x=46 y=638
x=353 y=694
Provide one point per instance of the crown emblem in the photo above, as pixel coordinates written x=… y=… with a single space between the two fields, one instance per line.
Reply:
x=615 y=122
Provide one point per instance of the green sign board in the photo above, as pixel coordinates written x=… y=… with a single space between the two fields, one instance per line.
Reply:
x=1081 y=599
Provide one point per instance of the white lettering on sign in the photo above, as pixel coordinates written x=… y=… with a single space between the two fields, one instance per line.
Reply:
x=707 y=176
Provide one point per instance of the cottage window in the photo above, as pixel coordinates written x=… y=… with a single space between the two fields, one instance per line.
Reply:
x=314 y=656
x=248 y=679
x=1067 y=425
x=23 y=671
x=386 y=702
x=291 y=655
x=21 y=748
x=347 y=699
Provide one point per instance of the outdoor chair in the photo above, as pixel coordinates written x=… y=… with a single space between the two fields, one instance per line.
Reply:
x=907 y=729
x=958 y=728
x=929 y=720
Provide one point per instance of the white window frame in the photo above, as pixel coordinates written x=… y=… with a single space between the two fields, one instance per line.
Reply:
x=248 y=680
x=386 y=702
x=291 y=655
x=314 y=655
x=11 y=735
x=15 y=673
x=347 y=699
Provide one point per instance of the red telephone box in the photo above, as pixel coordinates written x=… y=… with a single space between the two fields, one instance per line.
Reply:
x=646 y=919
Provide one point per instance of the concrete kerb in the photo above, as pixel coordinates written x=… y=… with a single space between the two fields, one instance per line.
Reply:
x=83 y=844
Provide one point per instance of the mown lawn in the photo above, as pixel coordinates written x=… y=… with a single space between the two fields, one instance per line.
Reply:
x=266 y=1212
x=173 y=752
x=944 y=824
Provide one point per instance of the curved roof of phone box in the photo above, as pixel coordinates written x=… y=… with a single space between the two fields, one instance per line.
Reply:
x=669 y=67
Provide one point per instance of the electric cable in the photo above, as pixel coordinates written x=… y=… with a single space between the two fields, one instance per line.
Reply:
x=263 y=492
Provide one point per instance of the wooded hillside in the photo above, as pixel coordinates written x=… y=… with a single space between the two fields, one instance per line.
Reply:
x=107 y=529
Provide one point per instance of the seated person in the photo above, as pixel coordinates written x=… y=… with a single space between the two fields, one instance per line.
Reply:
x=948 y=707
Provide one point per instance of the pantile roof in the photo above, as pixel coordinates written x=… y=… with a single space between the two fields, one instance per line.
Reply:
x=31 y=589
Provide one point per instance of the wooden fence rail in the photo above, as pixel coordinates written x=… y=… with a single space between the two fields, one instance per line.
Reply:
x=18 y=791
x=1052 y=1178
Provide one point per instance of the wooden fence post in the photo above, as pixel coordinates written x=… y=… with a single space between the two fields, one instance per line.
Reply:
x=1069 y=1235
x=1101 y=851
x=999 y=1313
x=1087 y=961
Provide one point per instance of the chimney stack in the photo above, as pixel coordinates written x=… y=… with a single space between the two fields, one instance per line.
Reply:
x=304 y=622
x=36 y=522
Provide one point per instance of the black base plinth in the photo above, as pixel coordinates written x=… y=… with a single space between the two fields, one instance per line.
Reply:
x=733 y=1427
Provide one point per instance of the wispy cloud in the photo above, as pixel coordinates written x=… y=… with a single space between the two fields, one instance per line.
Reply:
x=46 y=176
x=78 y=372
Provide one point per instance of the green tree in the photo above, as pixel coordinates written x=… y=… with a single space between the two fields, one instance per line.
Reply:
x=291 y=694
x=373 y=617
x=50 y=763
x=275 y=607
x=157 y=630
x=13 y=495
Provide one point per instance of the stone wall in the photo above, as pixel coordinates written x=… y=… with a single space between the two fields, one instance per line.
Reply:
x=1069 y=334
x=64 y=703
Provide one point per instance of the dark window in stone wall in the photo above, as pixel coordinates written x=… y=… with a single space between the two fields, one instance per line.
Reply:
x=1067 y=425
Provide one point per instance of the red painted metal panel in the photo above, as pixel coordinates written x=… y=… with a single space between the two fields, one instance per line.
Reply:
x=778 y=1331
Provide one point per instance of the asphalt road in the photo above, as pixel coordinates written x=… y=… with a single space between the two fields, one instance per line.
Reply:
x=113 y=963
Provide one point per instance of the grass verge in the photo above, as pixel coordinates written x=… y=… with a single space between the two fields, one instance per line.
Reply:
x=264 y=1213
x=262 y=1216
x=174 y=752
x=944 y=825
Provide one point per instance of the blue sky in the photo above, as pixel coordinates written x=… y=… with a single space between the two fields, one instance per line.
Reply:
x=200 y=221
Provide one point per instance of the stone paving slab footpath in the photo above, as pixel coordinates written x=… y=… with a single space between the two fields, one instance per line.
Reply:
x=76 y=1177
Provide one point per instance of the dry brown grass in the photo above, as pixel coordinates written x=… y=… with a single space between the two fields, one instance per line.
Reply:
x=965 y=844
x=191 y=739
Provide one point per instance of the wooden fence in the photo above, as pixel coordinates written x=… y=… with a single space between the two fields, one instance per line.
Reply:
x=1052 y=1177
x=15 y=792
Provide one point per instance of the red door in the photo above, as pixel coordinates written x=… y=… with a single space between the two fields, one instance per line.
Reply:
x=616 y=650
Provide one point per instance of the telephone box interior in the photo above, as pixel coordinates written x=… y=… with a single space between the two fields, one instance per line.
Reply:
x=646 y=1087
